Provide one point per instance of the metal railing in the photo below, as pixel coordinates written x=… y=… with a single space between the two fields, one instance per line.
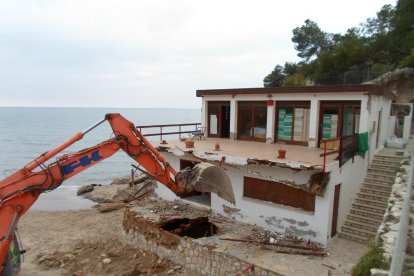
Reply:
x=168 y=129
x=347 y=149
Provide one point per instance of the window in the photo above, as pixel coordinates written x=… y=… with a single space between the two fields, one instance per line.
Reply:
x=292 y=122
x=252 y=120
x=278 y=193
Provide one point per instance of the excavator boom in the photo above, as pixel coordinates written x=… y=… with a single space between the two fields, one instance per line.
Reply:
x=21 y=189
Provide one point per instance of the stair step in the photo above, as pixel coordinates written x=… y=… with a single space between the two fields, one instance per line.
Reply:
x=383 y=163
x=372 y=202
x=368 y=207
x=356 y=217
x=362 y=225
x=380 y=156
x=353 y=237
x=384 y=167
x=379 y=180
x=368 y=214
x=358 y=231
x=381 y=171
x=382 y=187
x=374 y=196
x=380 y=176
x=375 y=191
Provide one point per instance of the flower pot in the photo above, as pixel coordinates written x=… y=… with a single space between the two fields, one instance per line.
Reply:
x=282 y=154
x=189 y=144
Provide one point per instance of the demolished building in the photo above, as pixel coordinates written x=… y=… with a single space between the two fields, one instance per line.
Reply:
x=328 y=134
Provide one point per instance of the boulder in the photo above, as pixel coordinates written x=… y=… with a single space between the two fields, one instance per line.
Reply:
x=85 y=189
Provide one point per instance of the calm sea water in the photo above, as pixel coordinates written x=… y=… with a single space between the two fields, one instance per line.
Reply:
x=25 y=133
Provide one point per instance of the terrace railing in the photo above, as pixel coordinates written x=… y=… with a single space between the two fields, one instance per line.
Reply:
x=168 y=130
x=347 y=149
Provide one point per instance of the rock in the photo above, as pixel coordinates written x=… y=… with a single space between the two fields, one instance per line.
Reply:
x=108 y=207
x=124 y=195
x=68 y=257
x=120 y=181
x=85 y=189
x=106 y=261
x=141 y=178
x=130 y=193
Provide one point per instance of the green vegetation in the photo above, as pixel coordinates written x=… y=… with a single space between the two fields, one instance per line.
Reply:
x=374 y=258
x=379 y=45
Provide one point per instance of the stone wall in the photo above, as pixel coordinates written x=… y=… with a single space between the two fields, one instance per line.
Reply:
x=190 y=253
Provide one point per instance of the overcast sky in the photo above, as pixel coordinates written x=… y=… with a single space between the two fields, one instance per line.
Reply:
x=151 y=53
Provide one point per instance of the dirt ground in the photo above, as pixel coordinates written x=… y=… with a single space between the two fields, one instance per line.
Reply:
x=87 y=242
x=83 y=243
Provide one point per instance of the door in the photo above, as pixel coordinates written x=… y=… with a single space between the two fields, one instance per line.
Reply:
x=335 y=210
x=378 y=130
x=252 y=120
x=218 y=119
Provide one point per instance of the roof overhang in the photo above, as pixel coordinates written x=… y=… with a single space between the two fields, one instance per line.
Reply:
x=361 y=88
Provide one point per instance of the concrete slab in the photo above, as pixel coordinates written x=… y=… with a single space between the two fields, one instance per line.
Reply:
x=252 y=150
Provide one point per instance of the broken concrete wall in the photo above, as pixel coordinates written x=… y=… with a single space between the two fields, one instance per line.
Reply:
x=272 y=216
x=192 y=254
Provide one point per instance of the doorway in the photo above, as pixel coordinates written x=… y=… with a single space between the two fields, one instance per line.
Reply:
x=335 y=210
x=218 y=119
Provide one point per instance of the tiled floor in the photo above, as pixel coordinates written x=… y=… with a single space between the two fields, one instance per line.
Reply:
x=257 y=150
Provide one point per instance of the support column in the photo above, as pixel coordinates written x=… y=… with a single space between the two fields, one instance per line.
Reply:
x=314 y=123
x=204 y=113
x=364 y=124
x=270 y=124
x=233 y=119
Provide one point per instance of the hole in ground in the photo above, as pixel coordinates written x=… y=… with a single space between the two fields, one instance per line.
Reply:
x=194 y=228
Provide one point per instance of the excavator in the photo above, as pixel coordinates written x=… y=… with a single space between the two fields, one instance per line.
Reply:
x=22 y=188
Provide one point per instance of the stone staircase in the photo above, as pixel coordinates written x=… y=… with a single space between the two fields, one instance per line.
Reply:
x=371 y=202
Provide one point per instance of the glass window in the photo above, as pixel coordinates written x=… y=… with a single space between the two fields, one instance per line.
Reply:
x=252 y=120
x=292 y=121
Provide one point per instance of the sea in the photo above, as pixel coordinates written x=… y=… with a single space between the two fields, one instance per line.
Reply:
x=27 y=132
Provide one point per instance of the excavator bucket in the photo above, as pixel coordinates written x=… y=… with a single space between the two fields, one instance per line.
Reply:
x=205 y=177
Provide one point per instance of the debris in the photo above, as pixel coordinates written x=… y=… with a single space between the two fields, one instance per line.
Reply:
x=108 y=207
x=328 y=266
x=106 y=261
x=294 y=251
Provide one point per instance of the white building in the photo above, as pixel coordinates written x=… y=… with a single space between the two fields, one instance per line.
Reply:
x=305 y=194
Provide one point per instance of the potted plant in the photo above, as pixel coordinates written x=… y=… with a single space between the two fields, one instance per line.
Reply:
x=189 y=143
x=217 y=147
x=281 y=152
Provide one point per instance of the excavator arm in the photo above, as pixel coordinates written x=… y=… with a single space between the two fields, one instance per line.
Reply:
x=21 y=189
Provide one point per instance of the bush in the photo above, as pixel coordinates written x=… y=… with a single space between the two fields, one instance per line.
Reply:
x=372 y=259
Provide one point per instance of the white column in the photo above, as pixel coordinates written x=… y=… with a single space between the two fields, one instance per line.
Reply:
x=204 y=112
x=314 y=123
x=233 y=119
x=364 y=122
x=270 y=124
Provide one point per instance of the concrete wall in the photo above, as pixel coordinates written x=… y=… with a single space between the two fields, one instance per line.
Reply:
x=285 y=219
x=377 y=106
x=192 y=254
x=350 y=176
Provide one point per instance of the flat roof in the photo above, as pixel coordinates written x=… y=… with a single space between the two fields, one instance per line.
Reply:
x=363 y=88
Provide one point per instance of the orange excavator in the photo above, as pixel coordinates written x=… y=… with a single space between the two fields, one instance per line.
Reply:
x=21 y=189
